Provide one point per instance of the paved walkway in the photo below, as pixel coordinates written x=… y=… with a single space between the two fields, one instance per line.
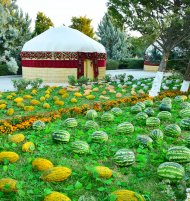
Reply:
x=6 y=84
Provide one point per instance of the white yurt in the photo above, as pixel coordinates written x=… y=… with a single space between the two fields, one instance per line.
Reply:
x=59 y=52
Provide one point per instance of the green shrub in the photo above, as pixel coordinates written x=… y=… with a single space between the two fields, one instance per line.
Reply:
x=21 y=84
x=107 y=78
x=72 y=80
x=112 y=64
x=36 y=83
x=131 y=63
x=177 y=64
x=82 y=80
x=4 y=70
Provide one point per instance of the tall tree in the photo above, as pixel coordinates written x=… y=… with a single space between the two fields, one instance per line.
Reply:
x=113 y=39
x=14 y=32
x=42 y=23
x=83 y=24
x=167 y=22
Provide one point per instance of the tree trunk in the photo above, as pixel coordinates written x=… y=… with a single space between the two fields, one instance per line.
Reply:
x=186 y=81
x=159 y=75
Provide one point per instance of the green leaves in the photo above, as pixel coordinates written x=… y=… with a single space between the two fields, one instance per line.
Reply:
x=78 y=185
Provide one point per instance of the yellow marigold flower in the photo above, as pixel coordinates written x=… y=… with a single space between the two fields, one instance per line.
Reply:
x=61 y=103
x=46 y=105
x=55 y=98
x=62 y=91
x=10 y=111
x=20 y=104
x=27 y=96
x=65 y=95
x=34 y=102
x=47 y=96
x=90 y=97
x=18 y=100
x=3 y=106
x=34 y=92
x=77 y=94
x=42 y=98
x=73 y=100
x=9 y=97
x=28 y=108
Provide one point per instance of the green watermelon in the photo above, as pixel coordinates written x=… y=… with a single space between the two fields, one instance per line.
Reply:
x=179 y=99
x=149 y=111
x=141 y=116
x=61 y=135
x=125 y=128
x=91 y=114
x=153 y=122
x=165 y=107
x=188 y=141
x=116 y=111
x=71 y=122
x=99 y=136
x=136 y=109
x=148 y=103
x=141 y=104
x=164 y=115
x=38 y=125
x=145 y=140
x=124 y=157
x=107 y=117
x=185 y=105
x=167 y=100
x=156 y=135
x=171 y=170
x=185 y=124
x=172 y=130
x=185 y=113
x=80 y=147
x=91 y=125
x=179 y=154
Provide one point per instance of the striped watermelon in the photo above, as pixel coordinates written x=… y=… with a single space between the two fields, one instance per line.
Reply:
x=179 y=99
x=153 y=122
x=91 y=114
x=124 y=157
x=185 y=113
x=185 y=105
x=148 y=103
x=141 y=104
x=70 y=122
x=164 y=115
x=172 y=130
x=165 y=107
x=167 y=100
x=99 y=136
x=80 y=147
x=149 y=111
x=91 y=125
x=141 y=116
x=61 y=135
x=185 y=124
x=145 y=140
x=188 y=141
x=156 y=134
x=125 y=128
x=171 y=170
x=107 y=117
x=116 y=111
x=179 y=154
x=136 y=109
x=38 y=125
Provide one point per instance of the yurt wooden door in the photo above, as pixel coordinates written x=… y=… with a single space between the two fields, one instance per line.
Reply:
x=88 y=69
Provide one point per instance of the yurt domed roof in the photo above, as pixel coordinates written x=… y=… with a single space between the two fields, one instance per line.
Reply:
x=63 y=39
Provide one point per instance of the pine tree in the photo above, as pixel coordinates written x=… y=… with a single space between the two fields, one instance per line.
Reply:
x=14 y=32
x=113 y=39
